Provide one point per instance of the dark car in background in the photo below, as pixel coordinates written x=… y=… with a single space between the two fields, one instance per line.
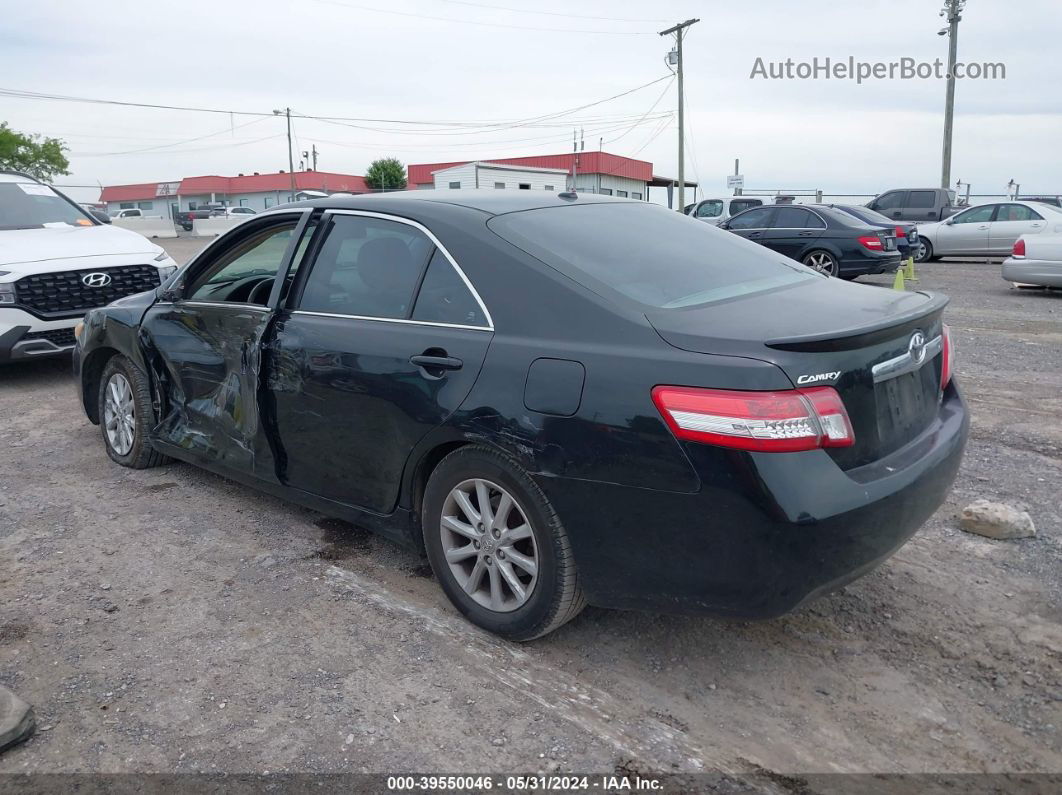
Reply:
x=906 y=233
x=920 y=205
x=563 y=400
x=827 y=240
x=185 y=219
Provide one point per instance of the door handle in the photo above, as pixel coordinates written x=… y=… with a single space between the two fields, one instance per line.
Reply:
x=436 y=362
x=755 y=234
x=983 y=226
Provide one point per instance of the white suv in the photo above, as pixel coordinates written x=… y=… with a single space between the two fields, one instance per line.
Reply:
x=56 y=262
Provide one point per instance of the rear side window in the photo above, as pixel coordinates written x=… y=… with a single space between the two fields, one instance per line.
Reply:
x=646 y=253
x=445 y=298
x=369 y=267
x=1016 y=212
x=921 y=199
x=740 y=205
x=796 y=218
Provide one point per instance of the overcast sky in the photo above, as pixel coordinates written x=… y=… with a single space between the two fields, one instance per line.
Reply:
x=458 y=61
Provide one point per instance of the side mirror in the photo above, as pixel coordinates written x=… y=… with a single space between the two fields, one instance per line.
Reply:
x=100 y=216
x=170 y=293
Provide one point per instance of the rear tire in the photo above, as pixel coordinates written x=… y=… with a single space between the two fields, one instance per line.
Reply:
x=509 y=569
x=822 y=261
x=126 y=415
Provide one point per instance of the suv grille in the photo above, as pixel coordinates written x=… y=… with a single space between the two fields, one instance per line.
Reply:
x=65 y=295
x=63 y=337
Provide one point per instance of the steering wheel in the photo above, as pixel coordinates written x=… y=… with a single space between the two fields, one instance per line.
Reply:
x=260 y=293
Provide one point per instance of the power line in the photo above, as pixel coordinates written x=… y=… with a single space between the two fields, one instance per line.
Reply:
x=551 y=13
x=452 y=21
x=20 y=94
x=175 y=143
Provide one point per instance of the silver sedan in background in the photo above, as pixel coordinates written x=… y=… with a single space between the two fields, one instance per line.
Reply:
x=1036 y=260
x=987 y=230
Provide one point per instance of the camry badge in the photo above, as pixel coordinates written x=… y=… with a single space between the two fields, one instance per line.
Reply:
x=96 y=279
x=814 y=379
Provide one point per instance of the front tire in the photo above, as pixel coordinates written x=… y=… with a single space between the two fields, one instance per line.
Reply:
x=924 y=252
x=125 y=415
x=497 y=547
x=823 y=262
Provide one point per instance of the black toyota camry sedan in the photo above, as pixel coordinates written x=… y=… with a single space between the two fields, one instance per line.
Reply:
x=825 y=239
x=559 y=399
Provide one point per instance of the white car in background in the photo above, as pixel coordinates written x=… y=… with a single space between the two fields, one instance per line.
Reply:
x=1036 y=260
x=237 y=212
x=987 y=230
x=57 y=261
x=715 y=211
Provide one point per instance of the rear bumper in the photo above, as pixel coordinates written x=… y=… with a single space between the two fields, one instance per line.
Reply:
x=1045 y=273
x=859 y=265
x=24 y=337
x=766 y=532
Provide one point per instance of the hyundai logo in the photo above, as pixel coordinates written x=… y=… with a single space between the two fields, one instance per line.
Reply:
x=96 y=279
x=917 y=347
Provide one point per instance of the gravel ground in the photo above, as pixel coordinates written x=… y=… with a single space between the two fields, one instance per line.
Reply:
x=171 y=621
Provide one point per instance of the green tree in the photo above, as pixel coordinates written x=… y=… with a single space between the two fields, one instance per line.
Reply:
x=42 y=158
x=386 y=173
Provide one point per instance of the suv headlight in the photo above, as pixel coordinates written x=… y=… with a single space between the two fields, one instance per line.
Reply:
x=7 y=291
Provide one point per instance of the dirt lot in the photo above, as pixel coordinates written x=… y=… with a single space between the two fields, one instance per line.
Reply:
x=169 y=620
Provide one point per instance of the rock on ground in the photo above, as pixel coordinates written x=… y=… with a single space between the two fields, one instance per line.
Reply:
x=996 y=520
x=16 y=719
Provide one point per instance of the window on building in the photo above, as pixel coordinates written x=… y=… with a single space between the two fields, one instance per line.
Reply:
x=192 y=206
x=268 y=202
x=525 y=186
x=367 y=267
x=126 y=206
x=549 y=187
x=636 y=195
x=499 y=185
x=622 y=194
x=445 y=298
x=243 y=202
x=606 y=191
x=455 y=185
x=146 y=205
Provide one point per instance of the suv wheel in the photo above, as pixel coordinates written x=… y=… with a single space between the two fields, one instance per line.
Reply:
x=125 y=414
x=497 y=547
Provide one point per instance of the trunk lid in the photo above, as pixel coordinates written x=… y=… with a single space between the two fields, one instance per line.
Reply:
x=856 y=338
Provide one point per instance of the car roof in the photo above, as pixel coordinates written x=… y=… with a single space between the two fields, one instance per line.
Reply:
x=492 y=202
x=15 y=176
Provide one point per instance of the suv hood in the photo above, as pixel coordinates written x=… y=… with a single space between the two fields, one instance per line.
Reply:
x=20 y=246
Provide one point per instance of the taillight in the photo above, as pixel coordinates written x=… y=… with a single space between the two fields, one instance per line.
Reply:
x=872 y=242
x=1019 y=248
x=945 y=358
x=900 y=232
x=779 y=422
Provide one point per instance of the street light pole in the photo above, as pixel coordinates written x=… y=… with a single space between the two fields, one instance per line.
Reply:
x=952 y=10
x=679 y=30
x=291 y=154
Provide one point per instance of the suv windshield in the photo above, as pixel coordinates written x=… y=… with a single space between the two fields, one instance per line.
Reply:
x=647 y=253
x=30 y=205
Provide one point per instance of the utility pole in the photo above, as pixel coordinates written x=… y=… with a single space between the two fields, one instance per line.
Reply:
x=291 y=154
x=680 y=30
x=953 y=11
x=313 y=153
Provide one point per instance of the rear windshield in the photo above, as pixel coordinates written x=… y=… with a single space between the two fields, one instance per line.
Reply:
x=657 y=257
x=868 y=215
x=29 y=205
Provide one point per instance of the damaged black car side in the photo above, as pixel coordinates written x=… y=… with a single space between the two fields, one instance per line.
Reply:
x=562 y=400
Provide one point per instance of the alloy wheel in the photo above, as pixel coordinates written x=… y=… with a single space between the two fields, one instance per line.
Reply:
x=489 y=545
x=920 y=252
x=822 y=262
x=119 y=414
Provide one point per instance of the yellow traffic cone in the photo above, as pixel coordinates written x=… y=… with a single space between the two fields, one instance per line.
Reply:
x=910 y=274
x=897 y=283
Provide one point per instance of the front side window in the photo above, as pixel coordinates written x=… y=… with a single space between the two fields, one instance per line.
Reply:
x=976 y=215
x=646 y=253
x=126 y=206
x=712 y=208
x=889 y=201
x=368 y=267
x=245 y=272
x=753 y=219
x=445 y=298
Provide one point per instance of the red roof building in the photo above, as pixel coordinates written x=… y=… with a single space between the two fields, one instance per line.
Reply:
x=258 y=191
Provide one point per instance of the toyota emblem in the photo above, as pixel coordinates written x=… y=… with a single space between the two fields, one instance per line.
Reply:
x=96 y=279
x=917 y=347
